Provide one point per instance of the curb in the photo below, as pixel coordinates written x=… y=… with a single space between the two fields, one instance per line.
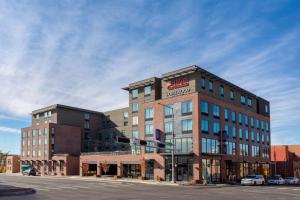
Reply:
x=16 y=191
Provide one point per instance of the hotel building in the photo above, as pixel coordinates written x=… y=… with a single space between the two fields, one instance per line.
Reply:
x=221 y=132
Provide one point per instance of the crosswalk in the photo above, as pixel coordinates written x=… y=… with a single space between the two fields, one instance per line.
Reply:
x=90 y=186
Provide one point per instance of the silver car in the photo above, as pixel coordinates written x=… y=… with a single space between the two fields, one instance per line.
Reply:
x=291 y=180
x=253 y=180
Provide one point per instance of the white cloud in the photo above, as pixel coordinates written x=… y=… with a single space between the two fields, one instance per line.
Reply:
x=9 y=130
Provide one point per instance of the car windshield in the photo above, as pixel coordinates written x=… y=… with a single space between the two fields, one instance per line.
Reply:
x=275 y=178
x=290 y=178
x=250 y=176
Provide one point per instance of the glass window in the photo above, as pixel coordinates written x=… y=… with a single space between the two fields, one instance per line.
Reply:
x=149 y=130
x=150 y=147
x=241 y=133
x=247 y=135
x=226 y=114
x=87 y=116
x=246 y=120
x=262 y=137
x=135 y=134
x=216 y=128
x=257 y=136
x=257 y=123
x=222 y=90
x=28 y=134
x=204 y=145
x=135 y=120
x=186 y=107
x=45 y=114
x=149 y=113
x=233 y=117
x=33 y=133
x=262 y=125
x=203 y=82
x=168 y=127
x=39 y=132
x=267 y=126
x=45 y=131
x=216 y=111
x=135 y=107
x=240 y=118
x=243 y=99
x=135 y=93
x=252 y=135
x=233 y=131
x=204 y=125
x=147 y=90
x=231 y=95
x=187 y=125
x=204 y=107
x=252 y=121
x=211 y=86
x=226 y=130
x=125 y=115
x=168 y=110
x=266 y=108
x=45 y=140
x=249 y=102
x=49 y=113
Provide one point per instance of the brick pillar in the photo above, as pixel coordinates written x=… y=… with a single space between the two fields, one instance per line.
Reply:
x=99 y=169
x=80 y=168
x=119 y=169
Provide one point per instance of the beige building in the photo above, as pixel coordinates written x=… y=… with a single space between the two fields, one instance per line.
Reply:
x=12 y=164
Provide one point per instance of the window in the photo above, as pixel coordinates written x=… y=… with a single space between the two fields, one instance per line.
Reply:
x=28 y=134
x=243 y=99
x=226 y=130
x=135 y=134
x=216 y=128
x=39 y=132
x=135 y=93
x=87 y=116
x=263 y=137
x=182 y=145
x=45 y=114
x=202 y=82
x=39 y=141
x=222 y=90
x=186 y=107
x=33 y=133
x=241 y=133
x=240 y=118
x=135 y=107
x=266 y=109
x=135 y=120
x=252 y=122
x=255 y=151
x=37 y=116
x=125 y=115
x=210 y=86
x=210 y=146
x=86 y=124
x=257 y=124
x=168 y=110
x=231 y=94
x=267 y=126
x=249 y=102
x=226 y=114
x=33 y=141
x=147 y=90
x=262 y=125
x=246 y=120
x=149 y=130
x=244 y=150
x=216 y=111
x=150 y=147
x=247 y=135
x=49 y=113
x=204 y=107
x=168 y=127
x=257 y=136
x=45 y=140
x=45 y=131
x=233 y=117
x=230 y=148
x=149 y=113
x=233 y=132
x=187 y=125
x=252 y=136
x=204 y=125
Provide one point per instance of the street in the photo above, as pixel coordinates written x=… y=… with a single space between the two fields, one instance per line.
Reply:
x=68 y=188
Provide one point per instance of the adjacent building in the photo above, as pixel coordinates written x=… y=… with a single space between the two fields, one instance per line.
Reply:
x=221 y=131
x=12 y=164
x=286 y=160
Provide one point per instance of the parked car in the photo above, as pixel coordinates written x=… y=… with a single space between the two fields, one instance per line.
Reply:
x=291 y=180
x=276 y=180
x=253 y=180
x=29 y=172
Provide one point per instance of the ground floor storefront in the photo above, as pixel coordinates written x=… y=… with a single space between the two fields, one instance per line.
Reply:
x=60 y=164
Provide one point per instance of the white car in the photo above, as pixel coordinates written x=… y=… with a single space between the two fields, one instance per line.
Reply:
x=276 y=180
x=291 y=180
x=253 y=180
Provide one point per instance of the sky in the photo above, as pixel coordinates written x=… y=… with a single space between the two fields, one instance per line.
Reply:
x=81 y=53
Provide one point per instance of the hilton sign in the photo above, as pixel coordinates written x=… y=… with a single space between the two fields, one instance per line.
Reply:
x=178 y=87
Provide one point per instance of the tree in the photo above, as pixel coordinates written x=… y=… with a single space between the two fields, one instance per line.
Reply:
x=105 y=167
x=3 y=157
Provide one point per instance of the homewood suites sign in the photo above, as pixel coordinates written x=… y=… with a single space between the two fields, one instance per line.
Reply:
x=178 y=87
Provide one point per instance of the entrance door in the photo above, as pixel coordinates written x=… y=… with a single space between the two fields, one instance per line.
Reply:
x=150 y=169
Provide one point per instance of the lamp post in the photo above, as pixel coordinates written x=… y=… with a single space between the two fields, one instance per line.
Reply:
x=173 y=143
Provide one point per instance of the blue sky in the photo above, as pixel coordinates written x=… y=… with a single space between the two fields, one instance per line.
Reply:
x=81 y=53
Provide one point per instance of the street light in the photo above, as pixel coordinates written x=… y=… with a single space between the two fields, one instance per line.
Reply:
x=173 y=143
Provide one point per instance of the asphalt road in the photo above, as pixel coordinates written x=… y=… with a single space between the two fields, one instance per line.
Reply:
x=68 y=188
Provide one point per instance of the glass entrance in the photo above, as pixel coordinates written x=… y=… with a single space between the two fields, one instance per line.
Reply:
x=150 y=169
x=183 y=168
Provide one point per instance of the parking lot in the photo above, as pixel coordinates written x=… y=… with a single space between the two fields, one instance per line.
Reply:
x=68 y=188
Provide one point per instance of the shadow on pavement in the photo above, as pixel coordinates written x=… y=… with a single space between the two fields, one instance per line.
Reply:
x=8 y=190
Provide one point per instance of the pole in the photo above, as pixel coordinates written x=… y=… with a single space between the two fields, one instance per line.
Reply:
x=173 y=149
